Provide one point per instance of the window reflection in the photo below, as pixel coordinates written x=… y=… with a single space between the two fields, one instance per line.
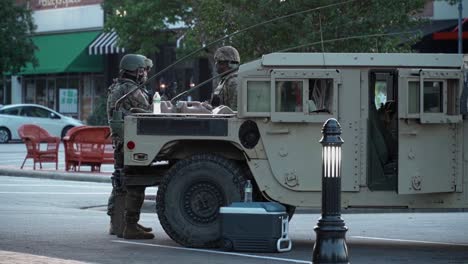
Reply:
x=320 y=95
x=433 y=97
x=289 y=96
x=432 y=100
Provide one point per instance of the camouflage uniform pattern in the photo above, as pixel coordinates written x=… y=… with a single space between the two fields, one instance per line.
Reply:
x=226 y=92
x=131 y=197
x=138 y=99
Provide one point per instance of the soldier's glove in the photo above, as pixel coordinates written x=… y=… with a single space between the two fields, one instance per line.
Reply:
x=207 y=105
x=137 y=110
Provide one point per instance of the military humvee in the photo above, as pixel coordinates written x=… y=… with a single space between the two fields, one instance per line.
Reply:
x=403 y=124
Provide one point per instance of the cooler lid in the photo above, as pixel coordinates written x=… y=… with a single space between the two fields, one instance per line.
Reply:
x=254 y=208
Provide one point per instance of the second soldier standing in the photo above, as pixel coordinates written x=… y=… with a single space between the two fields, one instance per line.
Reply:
x=226 y=58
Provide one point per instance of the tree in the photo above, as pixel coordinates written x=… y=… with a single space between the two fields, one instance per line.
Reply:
x=214 y=19
x=209 y=20
x=143 y=25
x=16 y=27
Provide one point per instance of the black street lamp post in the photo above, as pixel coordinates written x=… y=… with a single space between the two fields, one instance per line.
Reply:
x=330 y=244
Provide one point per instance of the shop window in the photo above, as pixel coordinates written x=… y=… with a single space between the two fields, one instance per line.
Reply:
x=51 y=96
x=30 y=92
x=41 y=92
x=289 y=96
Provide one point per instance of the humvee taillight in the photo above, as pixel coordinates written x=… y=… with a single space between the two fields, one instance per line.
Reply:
x=130 y=145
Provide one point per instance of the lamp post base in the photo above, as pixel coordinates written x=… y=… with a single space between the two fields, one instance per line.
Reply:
x=330 y=244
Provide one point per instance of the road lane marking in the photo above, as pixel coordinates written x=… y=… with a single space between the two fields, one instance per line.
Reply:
x=214 y=252
x=54 y=193
x=411 y=241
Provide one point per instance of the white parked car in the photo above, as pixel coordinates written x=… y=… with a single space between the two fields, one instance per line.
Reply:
x=15 y=115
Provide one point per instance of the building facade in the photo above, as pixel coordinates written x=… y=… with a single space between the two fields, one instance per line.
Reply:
x=69 y=78
x=78 y=61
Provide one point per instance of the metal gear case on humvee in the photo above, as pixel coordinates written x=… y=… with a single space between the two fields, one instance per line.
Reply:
x=403 y=118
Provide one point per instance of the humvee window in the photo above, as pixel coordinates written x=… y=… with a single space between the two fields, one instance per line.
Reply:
x=258 y=96
x=433 y=97
x=289 y=96
x=413 y=97
x=380 y=94
x=320 y=95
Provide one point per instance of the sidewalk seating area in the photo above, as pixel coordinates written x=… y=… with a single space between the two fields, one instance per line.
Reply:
x=83 y=146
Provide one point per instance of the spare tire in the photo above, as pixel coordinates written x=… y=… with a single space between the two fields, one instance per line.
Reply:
x=190 y=195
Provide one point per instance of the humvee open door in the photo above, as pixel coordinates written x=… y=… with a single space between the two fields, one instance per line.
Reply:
x=406 y=140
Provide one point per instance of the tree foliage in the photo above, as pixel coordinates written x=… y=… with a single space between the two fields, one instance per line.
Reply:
x=16 y=26
x=309 y=29
x=143 y=25
x=317 y=28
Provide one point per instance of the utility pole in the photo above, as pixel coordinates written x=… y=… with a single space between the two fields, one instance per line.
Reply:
x=460 y=27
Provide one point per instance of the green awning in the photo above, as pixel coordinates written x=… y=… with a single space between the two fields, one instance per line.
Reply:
x=61 y=53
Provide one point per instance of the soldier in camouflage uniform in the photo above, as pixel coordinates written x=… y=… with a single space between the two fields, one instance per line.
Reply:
x=133 y=71
x=226 y=58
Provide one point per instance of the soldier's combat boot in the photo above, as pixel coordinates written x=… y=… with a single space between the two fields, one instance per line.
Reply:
x=131 y=231
x=111 y=229
x=144 y=228
x=117 y=214
x=133 y=202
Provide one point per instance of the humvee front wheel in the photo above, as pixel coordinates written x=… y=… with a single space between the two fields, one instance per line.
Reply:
x=190 y=195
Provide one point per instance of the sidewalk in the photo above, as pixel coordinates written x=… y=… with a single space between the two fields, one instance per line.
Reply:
x=12 y=156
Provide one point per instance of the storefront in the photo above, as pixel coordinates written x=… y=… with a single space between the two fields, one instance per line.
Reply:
x=66 y=79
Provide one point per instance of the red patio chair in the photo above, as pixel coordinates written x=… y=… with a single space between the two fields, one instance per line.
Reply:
x=88 y=146
x=33 y=136
x=70 y=150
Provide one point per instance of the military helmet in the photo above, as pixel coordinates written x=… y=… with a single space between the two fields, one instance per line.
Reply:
x=149 y=63
x=227 y=53
x=131 y=62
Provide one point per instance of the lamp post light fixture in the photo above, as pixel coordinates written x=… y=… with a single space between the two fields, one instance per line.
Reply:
x=330 y=244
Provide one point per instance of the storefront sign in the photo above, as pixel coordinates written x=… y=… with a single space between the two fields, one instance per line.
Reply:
x=68 y=101
x=52 y=4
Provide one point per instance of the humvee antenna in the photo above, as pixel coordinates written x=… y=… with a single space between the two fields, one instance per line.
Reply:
x=350 y=37
x=321 y=32
x=223 y=38
x=321 y=37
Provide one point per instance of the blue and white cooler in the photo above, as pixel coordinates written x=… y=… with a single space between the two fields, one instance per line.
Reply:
x=255 y=227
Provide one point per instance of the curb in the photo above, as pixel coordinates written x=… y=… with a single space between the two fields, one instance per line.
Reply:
x=56 y=175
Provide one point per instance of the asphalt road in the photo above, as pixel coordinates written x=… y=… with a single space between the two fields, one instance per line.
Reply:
x=65 y=222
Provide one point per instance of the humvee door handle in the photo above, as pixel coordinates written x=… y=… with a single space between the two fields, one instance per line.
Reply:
x=279 y=131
